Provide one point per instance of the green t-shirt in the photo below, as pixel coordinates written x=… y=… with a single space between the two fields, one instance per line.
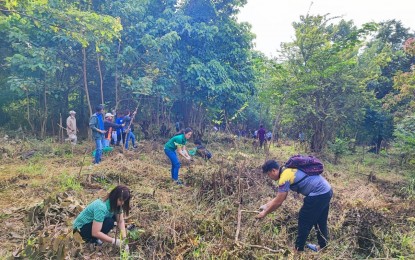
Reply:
x=175 y=142
x=97 y=211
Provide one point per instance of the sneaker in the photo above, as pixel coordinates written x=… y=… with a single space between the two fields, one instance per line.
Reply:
x=179 y=182
x=313 y=247
x=135 y=146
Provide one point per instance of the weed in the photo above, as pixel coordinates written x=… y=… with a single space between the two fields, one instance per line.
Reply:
x=68 y=182
x=410 y=189
x=31 y=169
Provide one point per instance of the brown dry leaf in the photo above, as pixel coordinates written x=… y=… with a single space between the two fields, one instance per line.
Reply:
x=15 y=235
x=78 y=238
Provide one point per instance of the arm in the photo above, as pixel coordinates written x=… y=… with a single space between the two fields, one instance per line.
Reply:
x=92 y=124
x=273 y=204
x=183 y=152
x=96 y=232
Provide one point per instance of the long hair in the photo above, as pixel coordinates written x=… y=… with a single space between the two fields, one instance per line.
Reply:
x=184 y=131
x=120 y=192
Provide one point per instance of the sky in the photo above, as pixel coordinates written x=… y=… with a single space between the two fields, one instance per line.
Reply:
x=271 y=19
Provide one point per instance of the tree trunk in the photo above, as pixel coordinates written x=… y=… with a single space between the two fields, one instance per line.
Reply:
x=86 y=82
x=100 y=78
x=45 y=114
x=32 y=127
x=117 y=95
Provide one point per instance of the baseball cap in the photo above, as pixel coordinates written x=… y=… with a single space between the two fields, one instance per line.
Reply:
x=72 y=112
x=109 y=115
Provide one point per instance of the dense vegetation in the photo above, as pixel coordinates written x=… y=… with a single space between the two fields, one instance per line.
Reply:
x=348 y=88
x=192 y=61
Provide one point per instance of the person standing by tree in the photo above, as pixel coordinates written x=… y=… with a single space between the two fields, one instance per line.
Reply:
x=177 y=143
x=129 y=128
x=120 y=131
x=71 y=128
x=261 y=135
x=315 y=209
x=97 y=219
x=96 y=123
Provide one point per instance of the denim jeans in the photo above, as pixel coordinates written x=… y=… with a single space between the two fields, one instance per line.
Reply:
x=314 y=212
x=106 y=143
x=175 y=164
x=129 y=136
x=99 y=144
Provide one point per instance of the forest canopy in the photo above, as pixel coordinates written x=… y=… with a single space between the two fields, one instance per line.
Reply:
x=193 y=62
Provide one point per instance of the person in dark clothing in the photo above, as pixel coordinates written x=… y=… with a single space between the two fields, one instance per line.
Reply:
x=129 y=129
x=96 y=123
x=261 y=135
x=315 y=210
x=120 y=131
x=202 y=151
x=109 y=126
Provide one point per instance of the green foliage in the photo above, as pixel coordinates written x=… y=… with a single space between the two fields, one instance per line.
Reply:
x=68 y=182
x=339 y=148
x=405 y=136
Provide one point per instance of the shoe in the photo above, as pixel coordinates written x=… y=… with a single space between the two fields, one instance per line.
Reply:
x=312 y=247
x=135 y=146
x=179 y=182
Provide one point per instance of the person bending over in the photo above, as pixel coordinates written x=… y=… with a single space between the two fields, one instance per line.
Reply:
x=97 y=219
x=315 y=210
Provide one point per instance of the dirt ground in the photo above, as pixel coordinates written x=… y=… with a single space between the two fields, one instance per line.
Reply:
x=44 y=185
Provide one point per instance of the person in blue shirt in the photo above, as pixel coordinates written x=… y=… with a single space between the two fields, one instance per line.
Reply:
x=96 y=123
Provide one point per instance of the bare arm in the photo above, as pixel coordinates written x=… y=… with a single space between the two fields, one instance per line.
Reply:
x=183 y=152
x=274 y=204
x=96 y=232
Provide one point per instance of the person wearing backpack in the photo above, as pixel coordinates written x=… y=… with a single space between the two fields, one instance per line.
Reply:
x=202 y=151
x=312 y=185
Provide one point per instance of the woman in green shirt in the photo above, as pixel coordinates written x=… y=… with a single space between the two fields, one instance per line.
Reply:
x=177 y=143
x=97 y=219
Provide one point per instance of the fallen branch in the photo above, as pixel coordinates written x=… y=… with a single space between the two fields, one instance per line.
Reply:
x=262 y=247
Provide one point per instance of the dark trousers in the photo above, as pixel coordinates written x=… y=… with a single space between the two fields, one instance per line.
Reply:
x=86 y=230
x=314 y=212
x=120 y=137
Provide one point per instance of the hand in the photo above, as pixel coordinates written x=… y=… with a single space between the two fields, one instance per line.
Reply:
x=117 y=242
x=261 y=215
x=263 y=207
x=127 y=248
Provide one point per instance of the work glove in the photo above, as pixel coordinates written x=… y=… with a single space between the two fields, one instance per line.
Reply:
x=127 y=249
x=116 y=242
x=263 y=207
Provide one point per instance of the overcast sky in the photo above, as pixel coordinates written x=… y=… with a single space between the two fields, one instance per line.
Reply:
x=271 y=19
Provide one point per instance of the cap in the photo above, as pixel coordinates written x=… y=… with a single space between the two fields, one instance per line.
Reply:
x=109 y=115
x=72 y=112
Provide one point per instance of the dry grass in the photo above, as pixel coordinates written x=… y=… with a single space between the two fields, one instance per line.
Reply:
x=41 y=195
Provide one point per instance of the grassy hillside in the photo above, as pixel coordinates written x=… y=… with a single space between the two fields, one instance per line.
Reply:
x=44 y=185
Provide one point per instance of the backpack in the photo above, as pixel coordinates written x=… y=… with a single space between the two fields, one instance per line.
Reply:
x=310 y=165
x=204 y=153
